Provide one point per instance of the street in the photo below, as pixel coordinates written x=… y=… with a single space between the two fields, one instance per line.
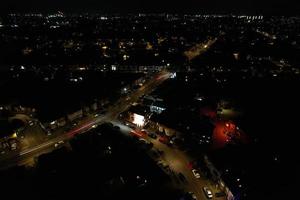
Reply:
x=40 y=146
x=178 y=162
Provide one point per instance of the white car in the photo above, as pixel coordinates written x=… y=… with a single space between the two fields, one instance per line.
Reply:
x=196 y=173
x=58 y=143
x=61 y=142
x=208 y=192
x=94 y=126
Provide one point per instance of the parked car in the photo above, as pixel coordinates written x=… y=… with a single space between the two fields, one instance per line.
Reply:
x=152 y=135
x=59 y=143
x=31 y=123
x=130 y=125
x=196 y=173
x=145 y=142
x=163 y=139
x=192 y=195
x=220 y=194
x=13 y=146
x=208 y=192
x=182 y=177
x=163 y=164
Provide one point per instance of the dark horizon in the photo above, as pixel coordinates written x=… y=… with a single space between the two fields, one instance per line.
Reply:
x=266 y=7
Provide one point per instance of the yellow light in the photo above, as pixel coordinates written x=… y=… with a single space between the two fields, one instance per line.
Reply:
x=149 y=46
x=14 y=135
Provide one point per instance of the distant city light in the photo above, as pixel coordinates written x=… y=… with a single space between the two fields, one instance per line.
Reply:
x=113 y=68
x=173 y=75
x=236 y=56
x=200 y=98
x=125 y=57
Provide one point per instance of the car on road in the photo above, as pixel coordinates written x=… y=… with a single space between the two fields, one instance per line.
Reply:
x=163 y=164
x=192 y=196
x=31 y=122
x=208 y=192
x=196 y=173
x=58 y=143
x=152 y=135
x=94 y=126
x=182 y=177
x=49 y=133
x=164 y=139
x=136 y=133
x=130 y=125
x=220 y=194
x=145 y=142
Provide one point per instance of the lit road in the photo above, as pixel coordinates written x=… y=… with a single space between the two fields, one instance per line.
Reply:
x=28 y=154
x=178 y=162
x=199 y=49
x=176 y=159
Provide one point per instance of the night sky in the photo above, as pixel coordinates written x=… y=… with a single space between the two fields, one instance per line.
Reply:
x=284 y=7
